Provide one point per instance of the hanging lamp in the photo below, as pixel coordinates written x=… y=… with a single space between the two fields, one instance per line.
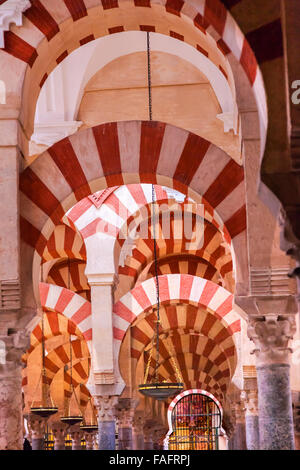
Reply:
x=153 y=388
x=47 y=407
x=68 y=418
x=93 y=425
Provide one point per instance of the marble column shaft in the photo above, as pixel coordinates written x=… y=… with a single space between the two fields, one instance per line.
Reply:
x=11 y=406
x=251 y=418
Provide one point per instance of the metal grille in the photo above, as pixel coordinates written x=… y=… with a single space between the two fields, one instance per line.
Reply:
x=196 y=420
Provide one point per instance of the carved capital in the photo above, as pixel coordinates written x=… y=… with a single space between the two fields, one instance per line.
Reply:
x=76 y=435
x=250 y=400
x=106 y=407
x=271 y=335
x=138 y=423
x=239 y=412
x=36 y=427
x=59 y=431
x=90 y=439
x=126 y=410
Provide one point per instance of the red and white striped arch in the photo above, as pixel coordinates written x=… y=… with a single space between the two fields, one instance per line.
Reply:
x=210 y=376
x=117 y=206
x=60 y=356
x=64 y=243
x=183 y=265
x=55 y=324
x=113 y=153
x=69 y=304
x=44 y=40
x=213 y=253
x=179 y=288
x=63 y=273
x=181 y=323
x=192 y=392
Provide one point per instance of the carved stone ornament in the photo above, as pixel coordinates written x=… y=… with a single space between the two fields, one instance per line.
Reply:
x=11 y=12
x=250 y=401
x=126 y=410
x=36 y=426
x=59 y=431
x=271 y=335
x=106 y=407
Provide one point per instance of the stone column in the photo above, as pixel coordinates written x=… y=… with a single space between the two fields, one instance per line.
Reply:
x=240 y=431
x=13 y=344
x=250 y=399
x=138 y=432
x=148 y=438
x=271 y=335
x=89 y=440
x=296 y=414
x=106 y=406
x=76 y=436
x=37 y=427
x=228 y=424
x=59 y=432
x=126 y=409
x=158 y=435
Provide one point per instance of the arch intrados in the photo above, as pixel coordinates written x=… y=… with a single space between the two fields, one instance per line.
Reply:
x=109 y=48
x=154 y=14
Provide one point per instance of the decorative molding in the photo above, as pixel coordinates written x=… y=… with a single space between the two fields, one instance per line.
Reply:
x=271 y=335
x=250 y=401
x=106 y=407
x=52 y=132
x=104 y=378
x=11 y=12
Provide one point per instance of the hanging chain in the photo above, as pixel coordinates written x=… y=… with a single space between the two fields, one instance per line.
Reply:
x=148 y=363
x=156 y=281
x=174 y=363
x=149 y=76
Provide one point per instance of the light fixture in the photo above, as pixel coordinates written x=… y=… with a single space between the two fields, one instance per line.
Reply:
x=47 y=407
x=154 y=388
x=93 y=425
x=69 y=418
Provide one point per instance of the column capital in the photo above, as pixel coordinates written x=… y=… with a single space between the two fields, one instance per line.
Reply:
x=250 y=400
x=125 y=411
x=59 y=431
x=271 y=335
x=106 y=407
x=239 y=412
x=89 y=439
x=138 y=422
x=36 y=426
